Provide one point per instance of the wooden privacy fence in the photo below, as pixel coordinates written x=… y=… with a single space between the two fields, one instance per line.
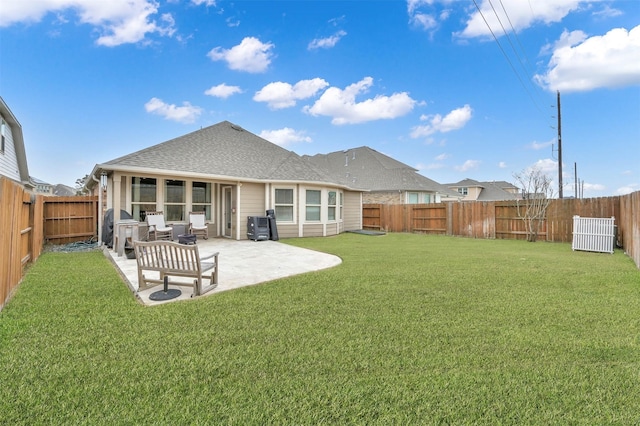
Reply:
x=27 y=221
x=70 y=219
x=500 y=219
x=21 y=234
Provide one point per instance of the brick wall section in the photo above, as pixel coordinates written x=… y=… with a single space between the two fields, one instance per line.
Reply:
x=391 y=197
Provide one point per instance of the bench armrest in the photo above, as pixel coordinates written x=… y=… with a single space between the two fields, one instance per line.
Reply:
x=210 y=256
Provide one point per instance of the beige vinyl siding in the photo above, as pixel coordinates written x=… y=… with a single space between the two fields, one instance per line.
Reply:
x=252 y=203
x=315 y=230
x=352 y=220
x=332 y=229
x=287 y=230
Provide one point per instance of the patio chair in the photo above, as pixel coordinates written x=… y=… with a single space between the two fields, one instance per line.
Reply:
x=158 y=230
x=198 y=224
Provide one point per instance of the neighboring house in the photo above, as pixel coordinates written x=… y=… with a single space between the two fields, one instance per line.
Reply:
x=61 y=190
x=42 y=187
x=472 y=190
x=13 y=157
x=385 y=180
x=230 y=174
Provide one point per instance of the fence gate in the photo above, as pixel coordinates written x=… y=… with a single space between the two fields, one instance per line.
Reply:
x=593 y=234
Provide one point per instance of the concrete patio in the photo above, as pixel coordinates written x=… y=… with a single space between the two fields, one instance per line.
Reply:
x=241 y=263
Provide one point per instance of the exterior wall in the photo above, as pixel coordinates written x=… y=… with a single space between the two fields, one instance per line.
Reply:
x=352 y=211
x=314 y=230
x=399 y=197
x=252 y=202
x=9 y=159
x=388 y=197
x=288 y=231
x=247 y=199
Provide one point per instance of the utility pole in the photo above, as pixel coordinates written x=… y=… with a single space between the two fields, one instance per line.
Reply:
x=575 y=174
x=559 y=150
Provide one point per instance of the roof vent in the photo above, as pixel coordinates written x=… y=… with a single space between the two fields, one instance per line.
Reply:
x=236 y=127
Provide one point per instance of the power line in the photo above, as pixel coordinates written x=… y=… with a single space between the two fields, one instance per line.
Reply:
x=522 y=49
x=504 y=53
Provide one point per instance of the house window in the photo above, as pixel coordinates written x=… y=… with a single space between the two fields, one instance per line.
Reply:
x=313 y=204
x=201 y=198
x=463 y=191
x=143 y=197
x=284 y=204
x=174 y=200
x=2 y=130
x=413 y=198
x=341 y=204
x=331 y=205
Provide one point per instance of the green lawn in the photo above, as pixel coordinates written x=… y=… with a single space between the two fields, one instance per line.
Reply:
x=409 y=329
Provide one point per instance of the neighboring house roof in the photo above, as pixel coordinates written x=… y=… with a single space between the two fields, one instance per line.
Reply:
x=18 y=142
x=38 y=181
x=63 y=190
x=368 y=169
x=223 y=150
x=491 y=190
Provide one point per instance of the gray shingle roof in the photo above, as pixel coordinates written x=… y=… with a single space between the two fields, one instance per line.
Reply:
x=491 y=191
x=224 y=149
x=368 y=169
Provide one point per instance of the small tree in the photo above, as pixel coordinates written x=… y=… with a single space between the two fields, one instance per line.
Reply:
x=80 y=190
x=537 y=192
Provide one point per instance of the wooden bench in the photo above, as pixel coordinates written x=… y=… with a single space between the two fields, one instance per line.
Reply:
x=169 y=258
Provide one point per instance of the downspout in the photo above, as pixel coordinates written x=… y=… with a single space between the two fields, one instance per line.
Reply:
x=99 y=210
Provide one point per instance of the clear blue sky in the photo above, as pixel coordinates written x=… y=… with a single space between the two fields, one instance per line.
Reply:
x=456 y=89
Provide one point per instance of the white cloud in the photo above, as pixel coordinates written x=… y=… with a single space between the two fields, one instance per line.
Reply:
x=326 y=43
x=442 y=157
x=541 y=145
x=412 y=5
x=186 y=113
x=119 y=21
x=424 y=21
x=521 y=14
x=251 y=55
x=588 y=186
x=205 y=2
x=468 y=165
x=284 y=136
x=222 y=91
x=341 y=104
x=280 y=95
x=502 y=165
x=581 y=64
x=628 y=189
x=546 y=166
x=455 y=120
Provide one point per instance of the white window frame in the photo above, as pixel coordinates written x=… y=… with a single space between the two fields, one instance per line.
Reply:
x=312 y=205
x=209 y=188
x=333 y=206
x=168 y=204
x=292 y=205
x=143 y=203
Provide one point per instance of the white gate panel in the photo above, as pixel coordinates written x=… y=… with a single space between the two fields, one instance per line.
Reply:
x=593 y=234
